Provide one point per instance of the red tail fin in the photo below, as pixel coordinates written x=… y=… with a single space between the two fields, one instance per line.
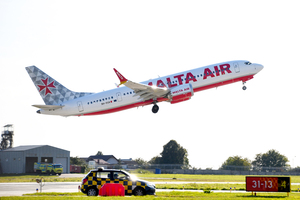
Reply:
x=121 y=77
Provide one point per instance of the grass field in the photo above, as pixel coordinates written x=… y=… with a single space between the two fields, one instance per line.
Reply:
x=165 y=195
x=32 y=178
x=194 y=186
x=148 y=177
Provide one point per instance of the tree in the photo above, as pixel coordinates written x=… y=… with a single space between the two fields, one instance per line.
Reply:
x=172 y=153
x=77 y=161
x=236 y=163
x=99 y=153
x=272 y=158
x=141 y=162
x=155 y=160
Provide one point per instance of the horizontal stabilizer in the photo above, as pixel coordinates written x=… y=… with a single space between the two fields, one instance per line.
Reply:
x=54 y=107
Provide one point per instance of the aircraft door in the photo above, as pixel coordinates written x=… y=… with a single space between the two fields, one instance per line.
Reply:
x=119 y=96
x=80 y=106
x=236 y=67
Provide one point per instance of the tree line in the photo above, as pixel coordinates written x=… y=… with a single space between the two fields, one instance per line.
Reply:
x=174 y=154
x=262 y=162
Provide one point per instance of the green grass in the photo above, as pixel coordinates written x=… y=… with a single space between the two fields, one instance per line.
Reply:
x=148 y=177
x=200 y=178
x=32 y=178
x=195 y=186
x=165 y=196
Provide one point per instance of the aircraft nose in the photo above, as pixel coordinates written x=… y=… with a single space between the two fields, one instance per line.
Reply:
x=259 y=67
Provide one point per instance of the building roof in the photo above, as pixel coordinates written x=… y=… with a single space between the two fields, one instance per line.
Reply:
x=103 y=157
x=101 y=162
x=23 y=148
x=27 y=147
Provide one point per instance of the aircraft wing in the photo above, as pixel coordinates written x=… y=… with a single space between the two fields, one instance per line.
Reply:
x=145 y=92
x=54 y=107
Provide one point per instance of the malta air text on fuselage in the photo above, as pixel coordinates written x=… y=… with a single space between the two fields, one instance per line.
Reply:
x=134 y=95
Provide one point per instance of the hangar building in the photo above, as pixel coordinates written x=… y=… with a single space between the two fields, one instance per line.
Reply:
x=21 y=159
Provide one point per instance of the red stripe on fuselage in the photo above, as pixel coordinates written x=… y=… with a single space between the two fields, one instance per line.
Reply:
x=125 y=107
x=244 y=79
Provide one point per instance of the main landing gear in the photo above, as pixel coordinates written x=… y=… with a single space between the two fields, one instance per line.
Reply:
x=155 y=108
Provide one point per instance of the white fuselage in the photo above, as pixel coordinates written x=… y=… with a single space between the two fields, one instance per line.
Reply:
x=123 y=98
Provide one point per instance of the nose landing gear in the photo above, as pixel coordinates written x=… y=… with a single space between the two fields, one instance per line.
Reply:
x=244 y=87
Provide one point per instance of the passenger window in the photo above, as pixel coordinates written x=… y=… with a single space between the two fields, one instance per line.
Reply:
x=119 y=175
x=103 y=175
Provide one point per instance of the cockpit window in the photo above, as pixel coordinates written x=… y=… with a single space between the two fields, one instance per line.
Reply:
x=248 y=63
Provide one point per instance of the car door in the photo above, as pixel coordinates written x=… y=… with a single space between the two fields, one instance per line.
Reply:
x=122 y=178
x=102 y=178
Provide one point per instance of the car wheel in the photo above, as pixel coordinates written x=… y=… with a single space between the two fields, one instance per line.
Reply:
x=139 y=192
x=92 y=192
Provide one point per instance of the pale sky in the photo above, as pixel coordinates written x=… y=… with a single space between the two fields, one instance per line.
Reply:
x=79 y=43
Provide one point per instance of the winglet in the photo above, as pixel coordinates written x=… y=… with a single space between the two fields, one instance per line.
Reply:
x=121 y=77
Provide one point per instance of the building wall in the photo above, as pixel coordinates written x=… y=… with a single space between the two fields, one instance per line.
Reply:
x=12 y=162
x=112 y=161
x=15 y=161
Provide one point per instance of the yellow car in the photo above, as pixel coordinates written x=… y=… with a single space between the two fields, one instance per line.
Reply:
x=95 y=179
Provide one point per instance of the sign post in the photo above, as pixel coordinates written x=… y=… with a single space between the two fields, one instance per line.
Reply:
x=40 y=182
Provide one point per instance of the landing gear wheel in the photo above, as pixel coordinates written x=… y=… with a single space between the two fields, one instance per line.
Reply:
x=155 y=108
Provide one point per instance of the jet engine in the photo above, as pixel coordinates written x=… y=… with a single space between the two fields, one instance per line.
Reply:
x=180 y=93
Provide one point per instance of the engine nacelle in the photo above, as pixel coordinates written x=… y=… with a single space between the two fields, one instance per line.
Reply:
x=181 y=93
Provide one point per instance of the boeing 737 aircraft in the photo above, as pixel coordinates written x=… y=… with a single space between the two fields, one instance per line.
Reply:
x=173 y=88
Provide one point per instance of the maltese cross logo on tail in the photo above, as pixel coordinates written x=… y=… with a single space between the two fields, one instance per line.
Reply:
x=46 y=86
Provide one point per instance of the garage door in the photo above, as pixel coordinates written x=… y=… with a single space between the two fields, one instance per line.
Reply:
x=30 y=164
x=63 y=162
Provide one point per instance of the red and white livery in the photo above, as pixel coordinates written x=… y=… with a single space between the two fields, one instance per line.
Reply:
x=173 y=88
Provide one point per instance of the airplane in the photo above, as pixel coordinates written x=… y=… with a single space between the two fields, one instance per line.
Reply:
x=173 y=88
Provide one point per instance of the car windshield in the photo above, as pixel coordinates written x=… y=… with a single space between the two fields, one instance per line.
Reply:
x=133 y=177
